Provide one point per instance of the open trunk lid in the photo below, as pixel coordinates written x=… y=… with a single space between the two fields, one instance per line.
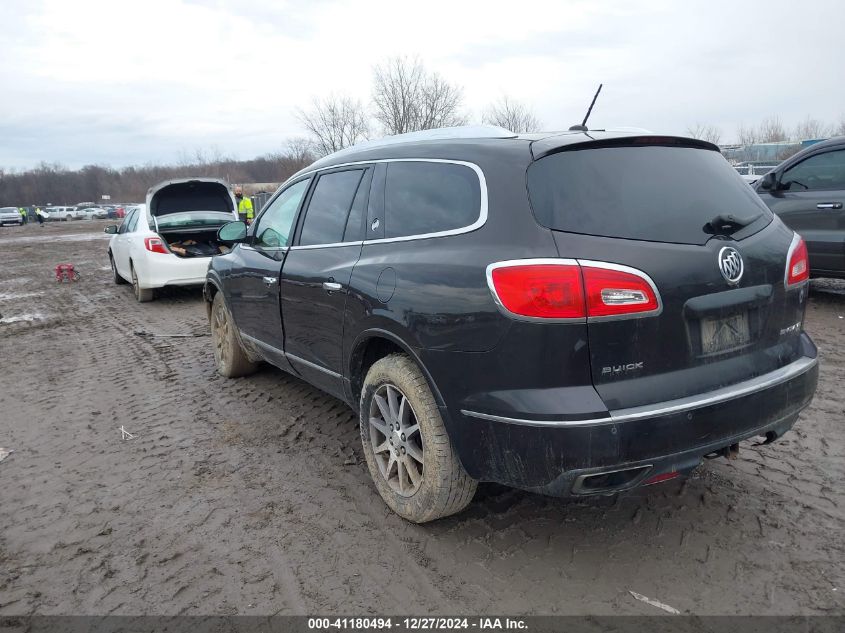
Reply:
x=191 y=194
x=675 y=210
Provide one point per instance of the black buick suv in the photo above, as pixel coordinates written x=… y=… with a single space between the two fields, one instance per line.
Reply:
x=573 y=313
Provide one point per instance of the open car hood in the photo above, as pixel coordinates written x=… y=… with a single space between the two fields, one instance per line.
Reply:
x=190 y=194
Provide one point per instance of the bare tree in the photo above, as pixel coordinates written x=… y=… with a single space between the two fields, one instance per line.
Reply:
x=811 y=129
x=709 y=133
x=299 y=150
x=839 y=128
x=747 y=134
x=511 y=115
x=335 y=123
x=408 y=98
x=771 y=130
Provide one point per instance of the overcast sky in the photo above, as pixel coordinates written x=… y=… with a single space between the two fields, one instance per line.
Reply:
x=118 y=83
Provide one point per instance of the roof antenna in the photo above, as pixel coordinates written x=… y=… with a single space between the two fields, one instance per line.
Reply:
x=583 y=126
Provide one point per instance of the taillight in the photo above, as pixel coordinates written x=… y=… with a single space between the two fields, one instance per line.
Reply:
x=797 y=262
x=542 y=289
x=617 y=290
x=570 y=289
x=155 y=245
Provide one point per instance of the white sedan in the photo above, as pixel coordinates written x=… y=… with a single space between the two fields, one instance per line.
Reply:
x=170 y=240
x=92 y=213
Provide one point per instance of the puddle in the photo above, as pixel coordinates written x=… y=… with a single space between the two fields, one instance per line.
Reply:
x=30 y=239
x=23 y=318
x=9 y=296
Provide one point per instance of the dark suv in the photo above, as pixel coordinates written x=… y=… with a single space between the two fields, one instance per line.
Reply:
x=807 y=191
x=571 y=314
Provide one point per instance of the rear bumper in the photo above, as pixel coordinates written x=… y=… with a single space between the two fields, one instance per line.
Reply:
x=161 y=270
x=550 y=456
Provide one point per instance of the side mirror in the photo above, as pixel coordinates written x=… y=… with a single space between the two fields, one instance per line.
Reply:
x=769 y=182
x=232 y=233
x=111 y=229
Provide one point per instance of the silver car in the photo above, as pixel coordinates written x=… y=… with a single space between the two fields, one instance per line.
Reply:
x=10 y=215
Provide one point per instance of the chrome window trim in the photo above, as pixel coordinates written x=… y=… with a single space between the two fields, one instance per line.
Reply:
x=717 y=396
x=273 y=249
x=796 y=239
x=482 y=184
x=589 y=263
x=332 y=245
x=550 y=261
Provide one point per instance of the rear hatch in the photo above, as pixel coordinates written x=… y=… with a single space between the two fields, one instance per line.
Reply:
x=673 y=208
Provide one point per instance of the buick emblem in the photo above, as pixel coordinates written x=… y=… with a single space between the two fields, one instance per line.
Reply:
x=730 y=265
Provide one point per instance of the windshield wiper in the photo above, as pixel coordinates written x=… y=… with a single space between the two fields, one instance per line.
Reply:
x=726 y=224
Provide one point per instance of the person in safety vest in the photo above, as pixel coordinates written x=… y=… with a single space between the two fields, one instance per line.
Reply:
x=245 y=211
x=23 y=213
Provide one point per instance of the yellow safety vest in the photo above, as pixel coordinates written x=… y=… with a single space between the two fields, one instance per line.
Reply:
x=245 y=206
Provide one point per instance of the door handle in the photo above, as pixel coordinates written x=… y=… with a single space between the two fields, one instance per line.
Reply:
x=829 y=205
x=332 y=286
x=269 y=281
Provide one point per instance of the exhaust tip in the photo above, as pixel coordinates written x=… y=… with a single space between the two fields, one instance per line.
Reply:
x=609 y=481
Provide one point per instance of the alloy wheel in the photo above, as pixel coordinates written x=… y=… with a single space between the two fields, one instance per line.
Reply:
x=220 y=327
x=396 y=440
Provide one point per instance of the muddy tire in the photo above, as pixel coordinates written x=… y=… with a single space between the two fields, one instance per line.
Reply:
x=117 y=278
x=143 y=295
x=229 y=355
x=409 y=454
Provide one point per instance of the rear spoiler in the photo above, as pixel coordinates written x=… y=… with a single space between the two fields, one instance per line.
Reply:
x=564 y=143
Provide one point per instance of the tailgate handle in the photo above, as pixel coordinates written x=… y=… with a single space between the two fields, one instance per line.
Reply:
x=829 y=205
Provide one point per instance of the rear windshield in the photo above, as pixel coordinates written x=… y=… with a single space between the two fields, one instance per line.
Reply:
x=655 y=193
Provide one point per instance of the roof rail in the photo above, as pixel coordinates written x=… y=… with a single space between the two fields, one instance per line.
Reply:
x=437 y=134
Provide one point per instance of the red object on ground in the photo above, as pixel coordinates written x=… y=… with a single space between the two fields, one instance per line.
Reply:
x=65 y=272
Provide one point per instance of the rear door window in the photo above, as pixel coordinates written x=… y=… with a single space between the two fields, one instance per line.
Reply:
x=654 y=193
x=329 y=207
x=424 y=197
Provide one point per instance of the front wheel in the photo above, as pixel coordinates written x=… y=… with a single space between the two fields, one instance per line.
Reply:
x=409 y=454
x=229 y=356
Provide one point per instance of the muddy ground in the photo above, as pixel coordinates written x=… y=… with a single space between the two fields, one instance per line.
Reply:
x=251 y=496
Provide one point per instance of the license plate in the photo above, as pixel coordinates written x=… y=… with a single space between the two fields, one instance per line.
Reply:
x=722 y=335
